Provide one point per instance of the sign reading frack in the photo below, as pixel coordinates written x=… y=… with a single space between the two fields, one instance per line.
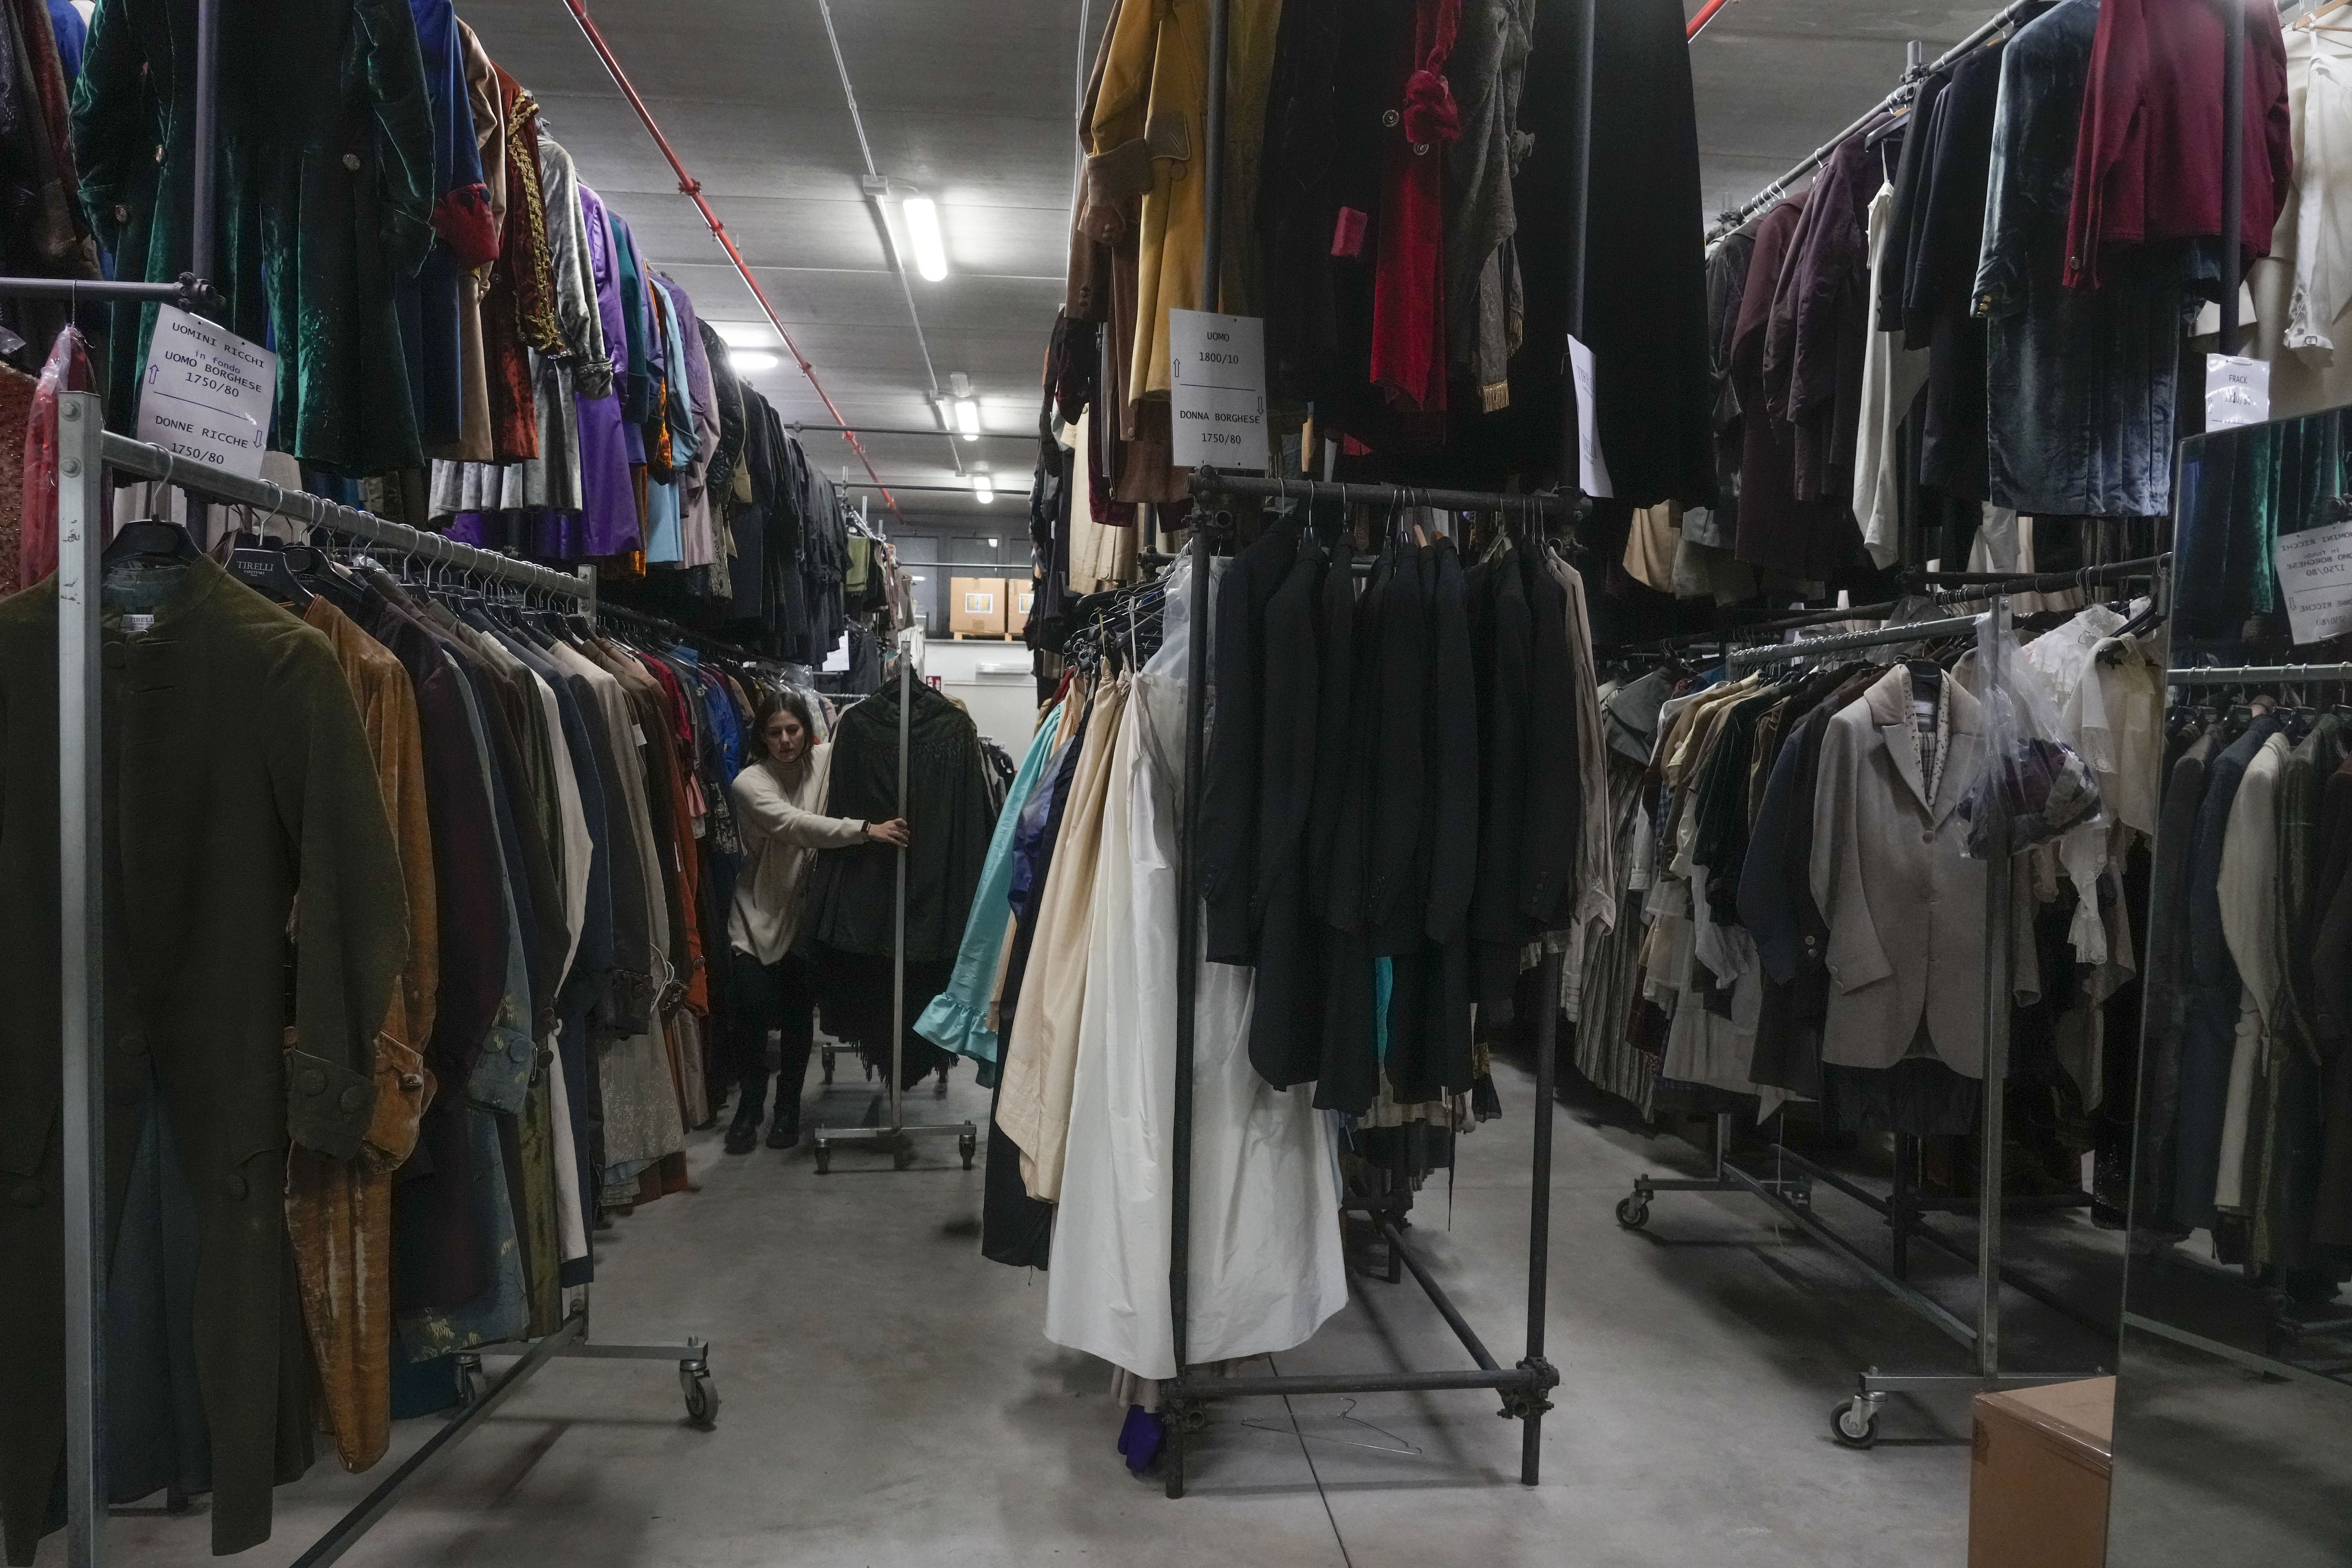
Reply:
x=206 y=395
x=1217 y=391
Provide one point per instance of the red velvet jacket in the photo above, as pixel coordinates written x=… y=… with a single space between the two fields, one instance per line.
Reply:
x=2147 y=160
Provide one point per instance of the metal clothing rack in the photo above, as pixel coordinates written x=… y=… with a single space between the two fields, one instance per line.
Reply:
x=85 y=450
x=1526 y=1387
x=1903 y=91
x=896 y=1135
x=1854 y=1421
x=2282 y=1332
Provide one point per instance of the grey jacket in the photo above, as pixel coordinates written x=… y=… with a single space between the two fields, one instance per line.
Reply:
x=1905 y=907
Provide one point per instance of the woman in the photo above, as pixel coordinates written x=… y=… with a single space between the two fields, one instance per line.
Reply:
x=770 y=986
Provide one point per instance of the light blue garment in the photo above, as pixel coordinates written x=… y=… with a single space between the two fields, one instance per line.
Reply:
x=957 y=1020
x=664 y=539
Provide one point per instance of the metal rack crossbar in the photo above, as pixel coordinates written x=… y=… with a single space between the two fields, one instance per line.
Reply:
x=85 y=450
x=1854 y=1422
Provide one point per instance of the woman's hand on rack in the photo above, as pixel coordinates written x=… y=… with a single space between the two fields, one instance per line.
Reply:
x=892 y=832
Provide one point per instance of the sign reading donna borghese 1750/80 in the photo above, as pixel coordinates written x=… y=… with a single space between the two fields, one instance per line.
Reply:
x=1217 y=391
x=207 y=394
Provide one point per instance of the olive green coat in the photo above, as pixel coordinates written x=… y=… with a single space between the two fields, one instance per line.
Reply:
x=325 y=159
x=235 y=775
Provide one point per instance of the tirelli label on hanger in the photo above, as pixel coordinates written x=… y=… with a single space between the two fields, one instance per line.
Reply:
x=205 y=393
x=2314 y=577
x=1217 y=391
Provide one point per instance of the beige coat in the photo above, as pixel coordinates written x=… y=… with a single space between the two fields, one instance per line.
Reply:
x=1905 y=907
x=1041 y=1059
x=782 y=831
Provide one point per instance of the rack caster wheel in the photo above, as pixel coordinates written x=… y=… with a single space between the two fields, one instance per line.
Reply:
x=701 y=1397
x=473 y=1382
x=902 y=1156
x=824 y=1159
x=1633 y=1213
x=1854 y=1423
x=967 y=1145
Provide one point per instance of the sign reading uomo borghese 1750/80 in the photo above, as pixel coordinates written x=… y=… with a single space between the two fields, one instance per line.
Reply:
x=207 y=394
x=1217 y=391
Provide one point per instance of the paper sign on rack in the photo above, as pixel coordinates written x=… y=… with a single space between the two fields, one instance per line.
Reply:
x=2314 y=577
x=2237 y=390
x=205 y=393
x=1594 y=468
x=1217 y=391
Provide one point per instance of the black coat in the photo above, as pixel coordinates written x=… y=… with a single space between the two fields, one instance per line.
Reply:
x=950 y=817
x=1229 y=800
x=1285 y=1042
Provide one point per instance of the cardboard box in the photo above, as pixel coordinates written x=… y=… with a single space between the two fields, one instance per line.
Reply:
x=2038 y=1484
x=976 y=606
x=1019 y=594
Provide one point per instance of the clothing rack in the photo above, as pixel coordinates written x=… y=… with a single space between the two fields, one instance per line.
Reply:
x=1854 y=1421
x=85 y=450
x=2336 y=1374
x=1903 y=91
x=895 y=1134
x=1525 y=1388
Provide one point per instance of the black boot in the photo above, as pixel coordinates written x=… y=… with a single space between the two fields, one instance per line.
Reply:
x=784 y=1131
x=743 y=1133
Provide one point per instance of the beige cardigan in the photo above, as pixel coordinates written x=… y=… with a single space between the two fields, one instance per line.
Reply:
x=783 y=825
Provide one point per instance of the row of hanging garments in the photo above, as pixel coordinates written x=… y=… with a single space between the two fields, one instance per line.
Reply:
x=2247 y=1100
x=1395 y=206
x=1393 y=823
x=406 y=890
x=1982 y=305
x=1804 y=899
x=471 y=340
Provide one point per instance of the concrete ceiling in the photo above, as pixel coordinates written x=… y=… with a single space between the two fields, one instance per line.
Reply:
x=972 y=104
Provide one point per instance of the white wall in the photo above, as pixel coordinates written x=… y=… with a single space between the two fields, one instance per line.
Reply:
x=992 y=680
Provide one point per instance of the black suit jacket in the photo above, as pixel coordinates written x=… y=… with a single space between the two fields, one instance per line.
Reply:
x=1229 y=796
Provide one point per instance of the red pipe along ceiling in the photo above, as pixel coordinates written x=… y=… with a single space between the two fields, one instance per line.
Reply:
x=691 y=187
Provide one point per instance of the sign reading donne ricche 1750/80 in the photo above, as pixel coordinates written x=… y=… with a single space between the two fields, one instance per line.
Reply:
x=207 y=394
x=1217 y=391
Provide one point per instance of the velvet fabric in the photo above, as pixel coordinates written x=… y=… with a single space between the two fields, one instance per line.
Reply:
x=2147 y=155
x=1409 y=357
x=226 y=687
x=2079 y=387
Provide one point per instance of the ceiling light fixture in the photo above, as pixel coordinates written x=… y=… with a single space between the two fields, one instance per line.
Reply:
x=923 y=233
x=751 y=360
x=967 y=418
x=984 y=488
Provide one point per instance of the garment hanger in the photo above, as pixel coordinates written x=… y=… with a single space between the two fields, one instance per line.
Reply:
x=150 y=539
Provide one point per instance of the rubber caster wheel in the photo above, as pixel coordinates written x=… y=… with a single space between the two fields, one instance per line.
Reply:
x=968 y=1146
x=1854 y=1423
x=824 y=1159
x=1632 y=1213
x=473 y=1383
x=902 y=1156
x=701 y=1398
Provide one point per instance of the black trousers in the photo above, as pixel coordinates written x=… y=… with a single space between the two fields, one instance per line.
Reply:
x=762 y=996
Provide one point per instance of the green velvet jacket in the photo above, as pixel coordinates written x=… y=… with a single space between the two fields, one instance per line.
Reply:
x=324 y=169
x=236 y=775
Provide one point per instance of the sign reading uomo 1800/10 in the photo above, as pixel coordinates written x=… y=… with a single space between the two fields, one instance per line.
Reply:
x=1217 y=390
x=207 y=394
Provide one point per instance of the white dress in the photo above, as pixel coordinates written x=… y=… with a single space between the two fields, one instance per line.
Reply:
x=1265 y=1266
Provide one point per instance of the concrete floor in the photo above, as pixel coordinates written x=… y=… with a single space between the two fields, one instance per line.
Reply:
x=889 y=1398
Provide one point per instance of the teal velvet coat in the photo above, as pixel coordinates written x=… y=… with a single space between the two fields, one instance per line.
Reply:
x=324 y=172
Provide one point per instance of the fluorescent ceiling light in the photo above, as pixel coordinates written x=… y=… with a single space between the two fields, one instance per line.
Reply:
x=751 y=360
x=991 y=544
x=923 y=234
x=745 y=334
x=984 y=488
x=967 y=418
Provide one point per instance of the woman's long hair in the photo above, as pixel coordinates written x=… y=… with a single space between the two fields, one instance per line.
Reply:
x=773 y=699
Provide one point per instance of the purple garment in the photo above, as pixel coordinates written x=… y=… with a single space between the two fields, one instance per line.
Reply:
x=608 y=523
